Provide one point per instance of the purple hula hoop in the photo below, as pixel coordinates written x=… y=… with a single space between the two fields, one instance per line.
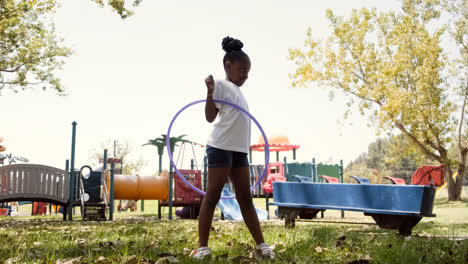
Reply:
x=168 y=136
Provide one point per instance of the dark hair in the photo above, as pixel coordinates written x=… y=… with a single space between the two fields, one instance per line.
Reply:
x=233 y=49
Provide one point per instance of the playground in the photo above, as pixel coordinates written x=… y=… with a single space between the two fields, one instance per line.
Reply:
x=142 y=238
x=351 y=131
x=332 y=229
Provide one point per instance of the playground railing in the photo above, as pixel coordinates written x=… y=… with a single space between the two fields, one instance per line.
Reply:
x=32 y=182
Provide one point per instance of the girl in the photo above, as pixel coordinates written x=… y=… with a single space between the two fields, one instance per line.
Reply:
x=227 y=148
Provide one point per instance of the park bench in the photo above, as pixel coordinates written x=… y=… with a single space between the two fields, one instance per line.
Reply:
x=398 y=207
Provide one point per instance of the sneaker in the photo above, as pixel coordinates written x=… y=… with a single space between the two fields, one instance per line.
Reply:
x=200 y=253
x=266 y=251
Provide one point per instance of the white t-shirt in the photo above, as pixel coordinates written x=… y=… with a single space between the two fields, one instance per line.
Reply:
x=232 y=129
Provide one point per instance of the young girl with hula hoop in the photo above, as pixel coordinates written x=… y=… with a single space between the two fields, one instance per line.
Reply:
x=227 y=148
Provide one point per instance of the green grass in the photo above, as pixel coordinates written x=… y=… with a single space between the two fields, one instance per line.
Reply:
x=141 y=238
x=49 y=240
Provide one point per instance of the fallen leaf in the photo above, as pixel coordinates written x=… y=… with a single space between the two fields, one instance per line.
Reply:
x=68 y=261
x=132 y=260
x=103 y=260
x=173 y=259
x=187 y=251
x=11 y=260
x=80 y=242
x=117 y=242
x=167 y=259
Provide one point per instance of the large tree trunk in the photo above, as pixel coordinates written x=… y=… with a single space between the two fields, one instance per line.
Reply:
x=455 y=186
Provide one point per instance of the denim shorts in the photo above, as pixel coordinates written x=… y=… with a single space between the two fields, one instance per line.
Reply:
x=226 y=158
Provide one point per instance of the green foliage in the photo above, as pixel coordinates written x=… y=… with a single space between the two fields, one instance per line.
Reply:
x=123 y=150
x=120 y=6
x=160 y=142
x=393 y=156
x=393 y=68
x=30 y=50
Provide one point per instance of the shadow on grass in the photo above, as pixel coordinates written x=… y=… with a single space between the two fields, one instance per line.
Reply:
x=444 y=202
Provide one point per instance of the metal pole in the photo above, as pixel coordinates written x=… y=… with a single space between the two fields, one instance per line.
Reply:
x=65 y=208
x=277 y=155
x=72 y=173
x=294 y=154
x=341 y=181
x=285 y=169
x=111 y=199
x=72 y=164
x=341 y=171
x=104 y=160
x=67 y=164
x=170 y=191
x=71 y=195
x=314 y=171
x=160 y=171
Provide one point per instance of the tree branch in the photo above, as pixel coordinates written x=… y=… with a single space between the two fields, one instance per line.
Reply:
x=460 y=145
x=357 y=95
x=419 y=144
x=28 y=62
x=14 y=83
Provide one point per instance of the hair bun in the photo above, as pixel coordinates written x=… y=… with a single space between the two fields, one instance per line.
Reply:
x=231 y=44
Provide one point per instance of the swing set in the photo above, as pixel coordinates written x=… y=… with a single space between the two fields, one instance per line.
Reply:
x=183 y=195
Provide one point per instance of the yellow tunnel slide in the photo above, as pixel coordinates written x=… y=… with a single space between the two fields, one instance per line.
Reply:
x=136 y=187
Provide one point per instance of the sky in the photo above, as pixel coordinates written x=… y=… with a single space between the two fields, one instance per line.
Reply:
x=127 y=79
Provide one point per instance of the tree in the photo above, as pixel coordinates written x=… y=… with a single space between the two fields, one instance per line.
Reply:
x=403 y=158
x=30 y=50
x=377 y=153
x=120 y=6
x=160 y=143
x=392 y=66
x=123 y=151
x=392 y=156
x=458 y=10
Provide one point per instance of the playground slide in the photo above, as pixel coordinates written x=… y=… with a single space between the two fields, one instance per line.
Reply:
x=231 y=209
x=454 y=176
x=135 y=187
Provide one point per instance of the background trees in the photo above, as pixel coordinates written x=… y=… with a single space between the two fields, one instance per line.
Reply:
x=31 y=51
x=392 y=67
x=118 y=149
x=391 y=156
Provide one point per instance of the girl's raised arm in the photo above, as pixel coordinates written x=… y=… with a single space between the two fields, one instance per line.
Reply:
x=210 y=107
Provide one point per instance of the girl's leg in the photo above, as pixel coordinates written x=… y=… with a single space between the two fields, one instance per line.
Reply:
x=217 y=177
x=240 y=178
